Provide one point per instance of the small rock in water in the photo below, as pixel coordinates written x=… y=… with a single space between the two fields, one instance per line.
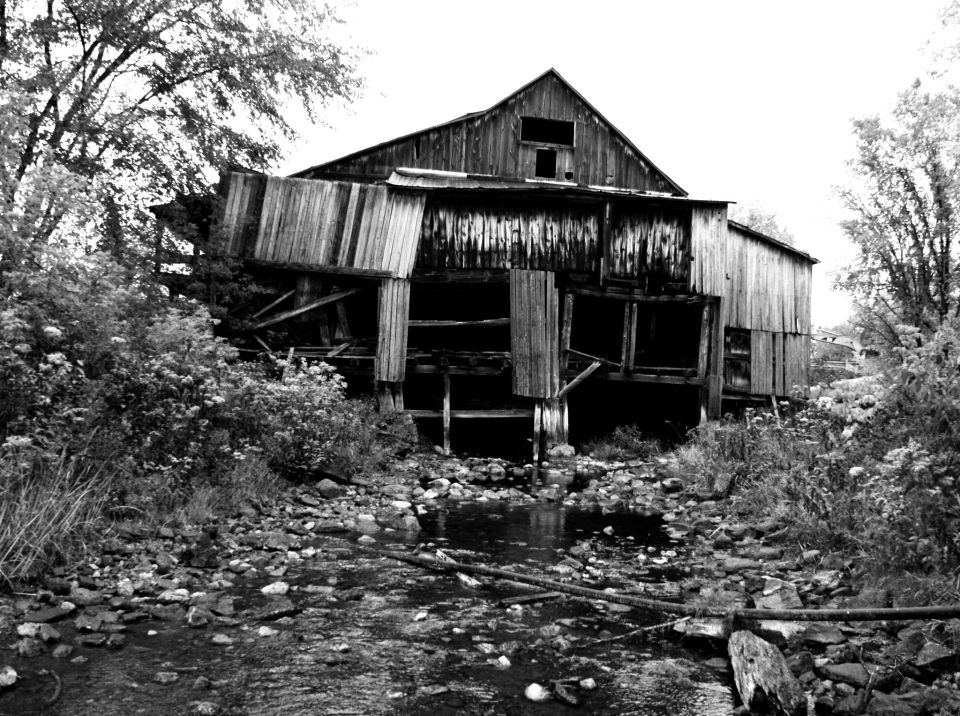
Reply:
x=608 y=530
x=535 y=692
x=267 y=631
x=204 y=708
x=277 y=589
x=588 y=684
x=502 y=663
x=221 y=640
x=63 y=651
x=166 y=677
x=366 y=539
x=8 y=677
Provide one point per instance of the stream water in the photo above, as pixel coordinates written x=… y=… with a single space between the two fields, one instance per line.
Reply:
x=380 y=637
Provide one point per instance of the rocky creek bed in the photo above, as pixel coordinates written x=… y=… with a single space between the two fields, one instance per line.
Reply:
x=277 y=611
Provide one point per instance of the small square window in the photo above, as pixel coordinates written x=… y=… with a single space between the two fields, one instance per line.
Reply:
x=547 y=163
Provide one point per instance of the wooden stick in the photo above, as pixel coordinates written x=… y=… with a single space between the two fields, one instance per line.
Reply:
x=325 y=300
x=449 y=324
x=274 y=304
x=579 y=379
x=591 y=357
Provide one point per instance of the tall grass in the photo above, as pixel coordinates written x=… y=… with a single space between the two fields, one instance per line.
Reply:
x=48 y=507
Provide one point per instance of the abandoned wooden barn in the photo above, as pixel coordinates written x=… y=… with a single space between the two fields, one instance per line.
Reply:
x=517 y=263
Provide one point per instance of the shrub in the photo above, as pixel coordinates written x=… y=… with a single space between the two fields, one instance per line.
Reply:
x=624 y=443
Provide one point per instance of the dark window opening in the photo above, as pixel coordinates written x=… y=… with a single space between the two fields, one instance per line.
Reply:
x=547 y=163
x=568 y=176
x=546 y=131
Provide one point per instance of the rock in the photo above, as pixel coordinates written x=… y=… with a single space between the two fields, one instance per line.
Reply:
x=276 y=589
x=671 y=484
x=29 y=648
x=96 y=639
x=800 y=662
x=739 y=564
x=8 y=677
x=174 y=596
x=563 y=694
x=853 y=674
x=204 y=708
x=221 y=640
x=198 y=617
x=536 y=693
x=708 y=628
x=329 y=489
x=823 y=635
x=266 y=631
x=50 y=614
x=277 y=609
x=116 y=641
x=28 y=630
x=85 y=597
x=62 y=651
x=88 y=623
x=778 y=631
x=309 y=500
x=168 y=612
x=936 y=657
x=778 y=594
x=366 y=539
x=166 y=677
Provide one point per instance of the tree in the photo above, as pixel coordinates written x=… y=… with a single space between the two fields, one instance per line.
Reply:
x=759 y=219
x=140 y=99
x=903 y=204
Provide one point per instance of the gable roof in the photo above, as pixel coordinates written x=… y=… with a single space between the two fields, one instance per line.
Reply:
x=551 y=72
x=770 y=240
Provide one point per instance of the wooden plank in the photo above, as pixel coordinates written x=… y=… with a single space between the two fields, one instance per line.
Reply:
x=446 y=413
x=320 y=270
x=448 y=324
x=460 y=276
x=715 y=391
x=324 y=301
x=566 y=330
x=647 y=378
x=472 y=414
x=274 y=304
x=703 y=352
x=628 y=350
x=590 y=370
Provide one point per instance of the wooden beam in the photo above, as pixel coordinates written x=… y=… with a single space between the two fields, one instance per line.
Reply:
x=263 y=344
x=324 y=301
x=646 y=378
x=479 y=370
x=566 y=329
x=579 y=379
x=451 y=324
x=322 y=270
x=592 y=357
x=460 y=276
x=472 y=414
x=274 y=304
x=446 y=413
x=629 y=347
x=638 y=296
x=341 y=348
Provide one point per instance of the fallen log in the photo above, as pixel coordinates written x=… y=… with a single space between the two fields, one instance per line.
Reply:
x=763 y=678
x=810 y=615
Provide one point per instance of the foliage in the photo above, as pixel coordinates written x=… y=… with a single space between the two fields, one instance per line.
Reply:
x=903 y=201
x=868 y=467
x=624 y=443
x=48 y=504
x=766 y=222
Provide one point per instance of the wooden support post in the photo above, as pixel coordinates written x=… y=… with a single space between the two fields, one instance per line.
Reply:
x=446 y=413
x=629 y=347
x=716 y=361
x=579 y=379
x=552 y=422
x=703 y=360
x=385 y=398
x=566 y=330
x=397 y=389
x=537 y=431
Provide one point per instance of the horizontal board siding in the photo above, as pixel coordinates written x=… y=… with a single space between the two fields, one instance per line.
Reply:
x=534 y=333
x=489 y=143
x=392 y=327
x=321 y=223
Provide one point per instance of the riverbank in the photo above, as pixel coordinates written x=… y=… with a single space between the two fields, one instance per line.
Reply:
x=279 y=587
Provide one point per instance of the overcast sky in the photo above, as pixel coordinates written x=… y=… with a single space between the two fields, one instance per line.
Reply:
x=747 y=101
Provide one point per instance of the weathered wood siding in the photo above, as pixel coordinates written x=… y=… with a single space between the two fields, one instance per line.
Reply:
x=778 y=362
x=534 y=333
x=768 y=288
x=321 y=223
x=708 y=249
x=508 y=235
x=650 y=242
x=489 y=143
x=393 y=317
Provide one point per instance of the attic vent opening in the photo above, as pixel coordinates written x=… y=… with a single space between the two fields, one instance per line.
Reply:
x=546 y=131
x=547 y=163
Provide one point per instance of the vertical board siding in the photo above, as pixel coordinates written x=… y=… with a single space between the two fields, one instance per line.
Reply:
x=708 y=249
x=392 y=328
x=321 y=223
x=489 y=143
x=768 y=288
x=653 y=242
x=779 y=362
x=534 y=333
x=501 y=236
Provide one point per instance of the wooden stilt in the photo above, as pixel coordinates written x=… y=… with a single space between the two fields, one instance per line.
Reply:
x=398 y=397
x=629 y=348
x=716 y=360
x=446 y=413
x=537 y=431
x=703 y=360
x=566 y=330
x=385 y=398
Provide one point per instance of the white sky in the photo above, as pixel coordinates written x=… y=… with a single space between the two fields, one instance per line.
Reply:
x=743 y=100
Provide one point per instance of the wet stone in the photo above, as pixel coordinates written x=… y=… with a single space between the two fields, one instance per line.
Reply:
x=50 y=614
x=8 y=677
x=96 y=639
x=853 y=674
x=28 y=647
x=85 y=597
x=166 y=677
x=116 y=641
x=62 y=651
x=936 y=657
x=221 y=640
x=823 y=635
x=277 y=609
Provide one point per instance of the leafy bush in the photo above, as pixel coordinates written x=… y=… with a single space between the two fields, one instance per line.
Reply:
x=624 y=443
